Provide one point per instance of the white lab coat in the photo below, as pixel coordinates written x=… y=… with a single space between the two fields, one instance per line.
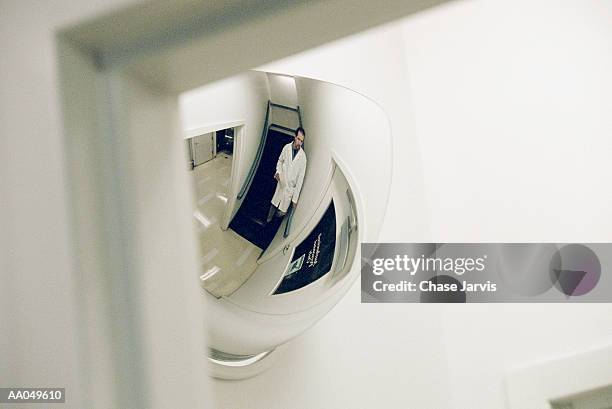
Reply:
x=291 y=174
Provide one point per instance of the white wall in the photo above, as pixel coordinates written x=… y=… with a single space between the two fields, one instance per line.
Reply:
x=242 y=98
x=512 y=105
x=283 y=91
x=355 y=128
x=39 y=320
x=507 y=104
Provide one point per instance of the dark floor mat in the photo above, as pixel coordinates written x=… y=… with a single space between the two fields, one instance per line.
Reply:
x=250 y=220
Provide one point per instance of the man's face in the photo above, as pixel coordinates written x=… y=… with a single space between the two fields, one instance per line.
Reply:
x=298 y=140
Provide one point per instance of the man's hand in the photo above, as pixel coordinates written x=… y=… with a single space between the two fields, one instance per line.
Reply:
x=294 y=204
x=277 y=177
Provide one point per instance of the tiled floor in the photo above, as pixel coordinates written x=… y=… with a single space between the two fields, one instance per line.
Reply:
x=227 y=260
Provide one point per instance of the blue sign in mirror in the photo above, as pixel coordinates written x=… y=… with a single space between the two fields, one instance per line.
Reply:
x=314 y=256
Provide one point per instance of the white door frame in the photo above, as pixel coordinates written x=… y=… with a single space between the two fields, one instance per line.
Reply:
x=134 y=246
x=234 y=187
x=213 y=150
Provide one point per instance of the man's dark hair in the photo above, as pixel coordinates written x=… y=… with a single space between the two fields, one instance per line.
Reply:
x=300 y=129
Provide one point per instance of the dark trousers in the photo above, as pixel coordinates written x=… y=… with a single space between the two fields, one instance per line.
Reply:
x=272 y=211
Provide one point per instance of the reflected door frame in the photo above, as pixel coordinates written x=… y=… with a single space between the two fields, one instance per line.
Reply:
x=199 y=154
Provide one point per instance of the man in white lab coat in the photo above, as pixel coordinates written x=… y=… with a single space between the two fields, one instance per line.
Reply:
x=290 y=170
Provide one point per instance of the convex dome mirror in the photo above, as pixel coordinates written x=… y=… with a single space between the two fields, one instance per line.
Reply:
x=270 y=268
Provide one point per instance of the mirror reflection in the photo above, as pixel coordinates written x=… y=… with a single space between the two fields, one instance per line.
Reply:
x=279 y=173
